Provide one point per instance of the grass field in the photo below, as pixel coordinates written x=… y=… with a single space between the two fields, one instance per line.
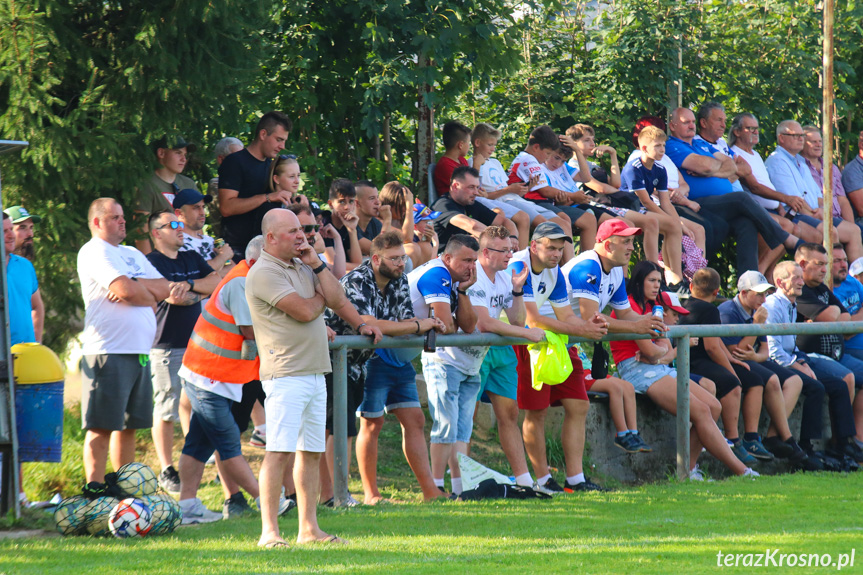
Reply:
x=662 y=528
x=668 y=528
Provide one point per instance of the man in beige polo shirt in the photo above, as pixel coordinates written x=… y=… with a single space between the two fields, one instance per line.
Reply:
x=287 y=290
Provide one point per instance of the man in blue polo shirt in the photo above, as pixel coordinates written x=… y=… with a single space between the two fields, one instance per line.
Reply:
x=709 y=173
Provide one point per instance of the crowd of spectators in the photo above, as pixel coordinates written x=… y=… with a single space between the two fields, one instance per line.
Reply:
x=215 y=334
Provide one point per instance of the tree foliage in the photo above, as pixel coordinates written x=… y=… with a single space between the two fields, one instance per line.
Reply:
x=89 y=84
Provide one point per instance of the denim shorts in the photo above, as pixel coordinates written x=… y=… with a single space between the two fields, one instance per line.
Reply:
x=498 y=373
x=387 y=388
x=212 y=427
x=452 y=400
x=642 y=375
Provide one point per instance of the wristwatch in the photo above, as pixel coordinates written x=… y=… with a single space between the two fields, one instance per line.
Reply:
x=322 y=267
x=191 y=284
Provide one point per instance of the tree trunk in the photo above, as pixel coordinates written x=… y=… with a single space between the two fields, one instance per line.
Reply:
x=388 y=147
x=425 y=136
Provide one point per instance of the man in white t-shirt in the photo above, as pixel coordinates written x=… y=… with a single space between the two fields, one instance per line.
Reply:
x=497 y=290
x=121 y=289
x=189 y=207
x=452 y=377
x=547 y=284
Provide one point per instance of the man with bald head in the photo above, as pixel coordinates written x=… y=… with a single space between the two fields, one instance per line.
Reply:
x=287 y=290
x=121 y=288
x=709 y=174
x=790 y=174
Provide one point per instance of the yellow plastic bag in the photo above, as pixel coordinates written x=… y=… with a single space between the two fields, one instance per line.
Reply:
x=549 y=360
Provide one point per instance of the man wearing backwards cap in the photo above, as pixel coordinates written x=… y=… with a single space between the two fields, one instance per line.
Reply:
x=189 y=208
x=22 y=227
x=156 y=193
x=546 y=283
x=782 y=385
x=595 y=279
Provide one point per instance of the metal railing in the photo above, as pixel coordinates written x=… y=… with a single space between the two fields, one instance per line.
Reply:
x=680 y=334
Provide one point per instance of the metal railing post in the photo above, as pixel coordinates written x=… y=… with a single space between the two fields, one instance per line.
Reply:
x=683 y=407
x=340 y=427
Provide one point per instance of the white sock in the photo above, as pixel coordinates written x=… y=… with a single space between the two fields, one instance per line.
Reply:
x=575 y=479
x=261 y=428
x=438 y=482
x=543 y=479
x=524 y=480
x=456 y=485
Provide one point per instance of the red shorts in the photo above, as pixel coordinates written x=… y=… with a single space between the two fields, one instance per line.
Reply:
x=548 y=395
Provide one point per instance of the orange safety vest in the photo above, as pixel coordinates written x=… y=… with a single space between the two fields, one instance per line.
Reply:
x=214 y=351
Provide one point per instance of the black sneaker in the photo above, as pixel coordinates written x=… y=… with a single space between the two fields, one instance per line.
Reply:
x=797 y=452
x=169 y=479
x=628 y=443
x=586 y=485
x=550 y=487
x=236 y=506
x=852 y=450
x=681 y=288
x=779 y=448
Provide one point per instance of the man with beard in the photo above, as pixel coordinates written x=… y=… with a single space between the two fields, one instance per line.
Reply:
x=373 y=217
x=22 y=226
x=384 y=381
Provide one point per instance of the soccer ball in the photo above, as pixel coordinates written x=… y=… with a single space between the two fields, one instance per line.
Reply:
x=130 y=518
x=166 y=513
x=69 y=515
x=96 y=515
x=137 y=480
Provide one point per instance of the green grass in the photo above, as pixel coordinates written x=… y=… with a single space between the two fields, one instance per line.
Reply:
x=664 y=528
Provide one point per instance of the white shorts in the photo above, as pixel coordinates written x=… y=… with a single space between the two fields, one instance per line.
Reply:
x=296 y=409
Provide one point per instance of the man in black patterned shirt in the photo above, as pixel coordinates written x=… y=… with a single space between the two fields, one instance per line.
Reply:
x=383 y=380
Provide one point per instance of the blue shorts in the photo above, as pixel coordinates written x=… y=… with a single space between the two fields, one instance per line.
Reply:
x=643 y=375
x=452 y=401
x=387 y=388
x=498 y=373
x=212 y=427
x=814 y=222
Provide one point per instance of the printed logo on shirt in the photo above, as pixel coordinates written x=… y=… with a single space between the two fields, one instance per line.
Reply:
x=541 y=288
x=133 y=266
x=591 y=279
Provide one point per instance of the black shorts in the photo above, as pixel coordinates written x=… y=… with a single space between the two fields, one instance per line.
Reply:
x=242 y=410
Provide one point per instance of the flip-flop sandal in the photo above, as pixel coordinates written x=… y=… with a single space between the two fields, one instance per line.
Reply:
x=275 y=544
x=333 y=539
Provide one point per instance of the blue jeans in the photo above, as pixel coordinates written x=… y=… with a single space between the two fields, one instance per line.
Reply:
x=747 y=218
x=830 y=374
x=212 y=427
x=452 y=400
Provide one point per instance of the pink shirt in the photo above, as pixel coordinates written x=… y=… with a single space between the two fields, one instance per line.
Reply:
x=838 y=189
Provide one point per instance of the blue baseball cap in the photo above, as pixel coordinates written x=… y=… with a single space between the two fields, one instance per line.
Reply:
x=423 y=212
x=190 y=196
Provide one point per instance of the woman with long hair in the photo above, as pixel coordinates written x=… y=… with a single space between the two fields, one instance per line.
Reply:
x=644 y=363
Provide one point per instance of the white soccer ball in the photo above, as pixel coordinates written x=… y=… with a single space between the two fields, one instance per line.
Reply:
x=137 y=480
x=69 y=516
x=130 y=518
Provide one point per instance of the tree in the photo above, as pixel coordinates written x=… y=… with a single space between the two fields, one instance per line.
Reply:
x=89 y=84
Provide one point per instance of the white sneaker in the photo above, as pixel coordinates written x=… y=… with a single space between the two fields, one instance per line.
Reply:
x=543 y=489
x=285 y=504
x=751 y=473
x=197 y=513
x=351 y=502
x=695 y=474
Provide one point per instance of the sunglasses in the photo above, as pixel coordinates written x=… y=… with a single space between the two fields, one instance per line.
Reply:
x=311 y=229
x=173 y=226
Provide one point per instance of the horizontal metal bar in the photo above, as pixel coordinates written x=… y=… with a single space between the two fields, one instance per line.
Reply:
x=724 y=330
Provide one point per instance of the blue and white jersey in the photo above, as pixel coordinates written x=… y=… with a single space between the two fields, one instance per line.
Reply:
x=547 y=286
x=561 y=178
x=585 y=278
x=431 y=283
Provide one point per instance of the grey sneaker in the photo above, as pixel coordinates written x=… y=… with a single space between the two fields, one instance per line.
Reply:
x=169 y=479
x=197 y=513
x=757 y=450
x=352 y=502
x=629 y=443
x=236 y=506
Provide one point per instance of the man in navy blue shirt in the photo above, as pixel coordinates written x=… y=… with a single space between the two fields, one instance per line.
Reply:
x=708 y=173
x=177 y=316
